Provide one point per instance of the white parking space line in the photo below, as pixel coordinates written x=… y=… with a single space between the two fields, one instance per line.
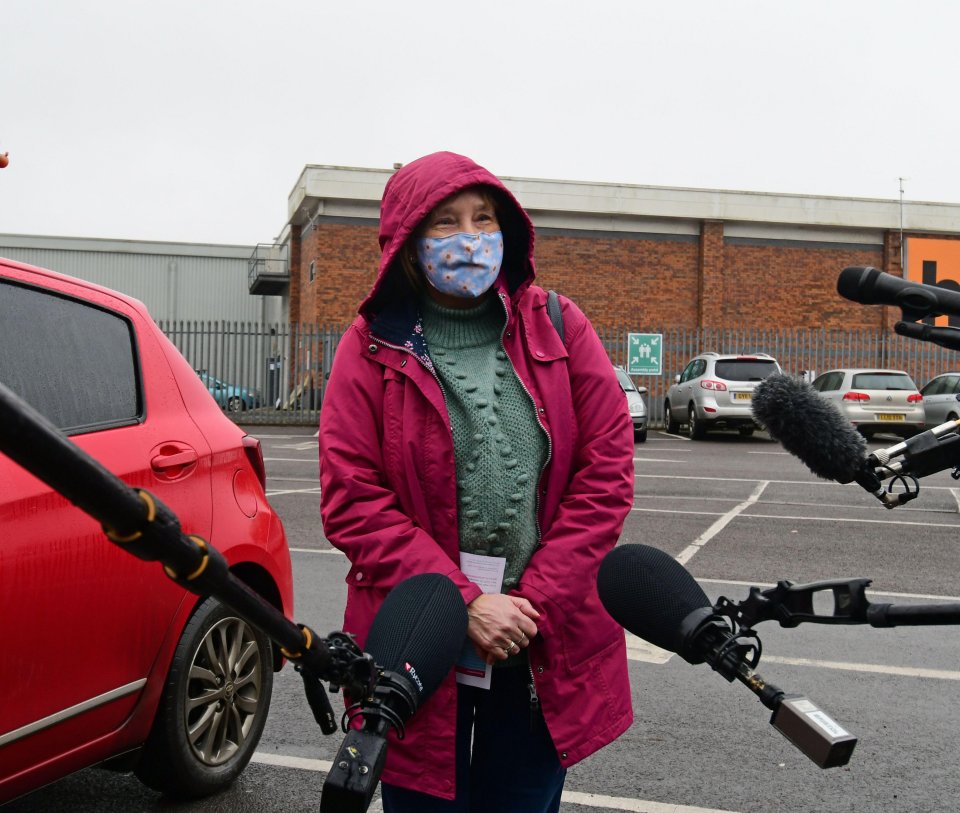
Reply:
x=286 y=761
x=923 y=524
x=311 y=459
x=640 y=650
x=688 y=553
x=643 y=652
x=634 y=805
x=870 y=593
x=332 y=551
x=875 y=668
x=825 y=483
x=956 y=497
x=656 y=460
x=280 y=437
x=280 y=492
x=569 y=796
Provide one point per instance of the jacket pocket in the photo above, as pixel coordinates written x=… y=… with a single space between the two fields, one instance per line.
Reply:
x=588 y=634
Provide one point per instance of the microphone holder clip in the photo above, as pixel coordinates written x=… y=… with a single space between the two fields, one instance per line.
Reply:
x=792 y=604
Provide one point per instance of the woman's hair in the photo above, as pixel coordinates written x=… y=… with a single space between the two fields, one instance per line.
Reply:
x=408 y=253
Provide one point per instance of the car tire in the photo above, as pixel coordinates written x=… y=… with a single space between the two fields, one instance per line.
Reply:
x=952 y=416
x=197 y=748
x=640 y=437
x=236 y=404
x=671 y=425
x=696 y=427
x=745 y=431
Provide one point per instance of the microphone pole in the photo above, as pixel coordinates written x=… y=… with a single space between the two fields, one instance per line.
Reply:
x=139 y=523
x=792 y=604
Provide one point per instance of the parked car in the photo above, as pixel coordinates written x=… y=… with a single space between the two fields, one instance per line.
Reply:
x=875 y=400
x=941 y=399
x=229 y=396
x=715 y=391
x=105 y=658
x=636 y=404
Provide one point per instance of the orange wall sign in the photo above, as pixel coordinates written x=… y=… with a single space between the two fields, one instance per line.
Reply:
x=935 y=262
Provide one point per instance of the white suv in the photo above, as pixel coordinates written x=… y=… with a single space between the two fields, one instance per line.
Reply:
x=715 y=391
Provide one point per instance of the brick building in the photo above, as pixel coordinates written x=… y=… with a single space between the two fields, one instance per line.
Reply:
x=643 y=257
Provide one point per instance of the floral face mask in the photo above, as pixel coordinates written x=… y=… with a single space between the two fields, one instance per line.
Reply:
x=463 y=265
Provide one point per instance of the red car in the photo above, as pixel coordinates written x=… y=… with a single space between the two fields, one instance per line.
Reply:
x=104 y=657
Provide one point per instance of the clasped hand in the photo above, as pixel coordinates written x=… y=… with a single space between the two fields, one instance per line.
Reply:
x=500 y=625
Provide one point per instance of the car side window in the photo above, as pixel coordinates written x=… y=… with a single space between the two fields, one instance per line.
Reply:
x=73 y=362
x=828 y=382
x=953 y=384
x=687 y=373
x=935 y=387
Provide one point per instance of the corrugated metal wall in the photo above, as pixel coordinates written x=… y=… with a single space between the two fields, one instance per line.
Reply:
x=173 y=286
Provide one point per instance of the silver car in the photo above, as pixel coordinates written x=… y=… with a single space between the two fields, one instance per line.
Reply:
x=715 y=391
x=941 y=398
x=636 y=404
x=875 y=400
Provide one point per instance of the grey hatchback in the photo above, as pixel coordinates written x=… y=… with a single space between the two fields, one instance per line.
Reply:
x=875 y=400
x=941 y=398
x=715 y=391
x=635 y=403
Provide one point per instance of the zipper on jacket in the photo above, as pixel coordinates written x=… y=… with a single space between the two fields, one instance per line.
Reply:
x=409 y=352
x=534 y=698
x=536 y=414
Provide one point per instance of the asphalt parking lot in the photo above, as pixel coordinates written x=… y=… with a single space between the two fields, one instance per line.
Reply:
x=738 y=512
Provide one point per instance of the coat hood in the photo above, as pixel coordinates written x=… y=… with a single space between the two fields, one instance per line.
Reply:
x=412 y=192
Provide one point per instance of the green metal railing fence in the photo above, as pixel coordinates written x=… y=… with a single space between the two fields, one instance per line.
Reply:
x=285 y=366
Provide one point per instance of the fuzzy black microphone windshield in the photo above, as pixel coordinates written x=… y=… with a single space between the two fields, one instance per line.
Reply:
x=811 y=428
x=419 y=630
x=649 y=593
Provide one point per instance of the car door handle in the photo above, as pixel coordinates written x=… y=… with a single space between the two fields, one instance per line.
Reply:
x=175 y=459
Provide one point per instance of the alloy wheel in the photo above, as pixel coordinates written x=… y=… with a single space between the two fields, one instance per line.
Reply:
x=224 y=691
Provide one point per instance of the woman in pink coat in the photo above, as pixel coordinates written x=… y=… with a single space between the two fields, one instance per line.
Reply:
x=457 y=423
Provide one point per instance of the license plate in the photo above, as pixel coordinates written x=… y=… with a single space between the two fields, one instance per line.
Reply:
x=742 y=396
x=885 y=416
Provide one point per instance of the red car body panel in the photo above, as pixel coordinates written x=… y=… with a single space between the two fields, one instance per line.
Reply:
x=84 y=622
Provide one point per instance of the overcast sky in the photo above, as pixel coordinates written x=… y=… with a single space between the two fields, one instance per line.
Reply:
x=191 y=120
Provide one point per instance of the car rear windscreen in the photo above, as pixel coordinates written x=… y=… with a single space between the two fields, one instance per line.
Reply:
x=626 y=382
x=883 y=381
x=745 y=369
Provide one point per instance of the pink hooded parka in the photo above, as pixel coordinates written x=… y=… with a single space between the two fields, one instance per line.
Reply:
x=388 y=490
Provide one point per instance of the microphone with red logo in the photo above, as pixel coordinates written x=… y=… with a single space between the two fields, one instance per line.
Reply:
x=416 y=638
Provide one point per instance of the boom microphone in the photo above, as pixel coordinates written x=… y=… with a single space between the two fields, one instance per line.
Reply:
x=653 y=596
x=870 y=286
x=416 y=637
x=814 y=430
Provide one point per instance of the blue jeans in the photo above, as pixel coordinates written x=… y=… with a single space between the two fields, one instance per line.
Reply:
x=513 y=768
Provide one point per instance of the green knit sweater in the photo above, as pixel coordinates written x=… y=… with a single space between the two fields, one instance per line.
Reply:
x=499 y=445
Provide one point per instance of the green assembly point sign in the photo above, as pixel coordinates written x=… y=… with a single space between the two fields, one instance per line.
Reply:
x=644 y=353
